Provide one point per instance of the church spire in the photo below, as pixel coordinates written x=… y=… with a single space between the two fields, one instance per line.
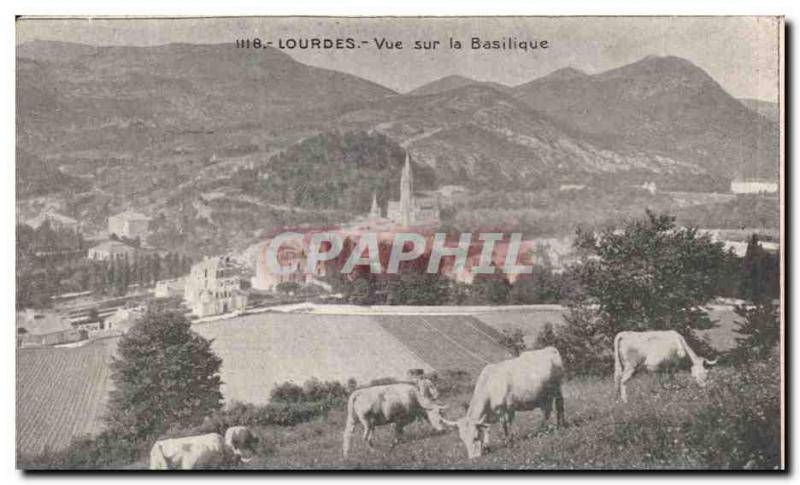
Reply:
x=375 y=211
x=407 y=194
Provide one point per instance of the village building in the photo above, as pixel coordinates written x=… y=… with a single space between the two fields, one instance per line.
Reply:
x=214 y=287
x=59 y=337
x=55 y=220
x=110 y=251
x=121 y=320
x=571 y=187
x=129 y=224
x=412 y=209
x=289 y=255
x=170 y=288
x=452 y=190
x=754 y=186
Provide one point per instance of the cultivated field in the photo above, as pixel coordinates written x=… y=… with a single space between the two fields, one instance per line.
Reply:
x=259 y=351
x=447 y=342
x=61 y=393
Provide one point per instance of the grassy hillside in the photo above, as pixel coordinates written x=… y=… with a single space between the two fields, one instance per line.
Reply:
x=669 y=423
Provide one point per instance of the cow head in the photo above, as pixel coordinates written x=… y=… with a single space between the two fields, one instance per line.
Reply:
x=699 y=371
x=242 y=442
x=434 y=414
x=472 y=434
x=427 y=389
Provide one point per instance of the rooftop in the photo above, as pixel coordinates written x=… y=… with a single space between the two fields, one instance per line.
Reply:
x=112 y=246
x=130 y=215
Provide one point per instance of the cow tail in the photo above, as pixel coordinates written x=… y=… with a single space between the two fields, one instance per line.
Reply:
x=350 y=424
x=689 y=352
x=617 y=359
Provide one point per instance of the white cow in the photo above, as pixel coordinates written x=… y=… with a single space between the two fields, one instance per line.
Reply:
x=240 y=441
x=398 y=404
x=650 y=350
x=189 y=453
x=527 y=382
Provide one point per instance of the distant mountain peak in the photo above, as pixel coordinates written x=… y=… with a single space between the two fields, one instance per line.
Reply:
x=662 y=65
x=453 y=81
x=566 y=73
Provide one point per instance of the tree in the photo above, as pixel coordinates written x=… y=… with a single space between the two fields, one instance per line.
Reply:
x=584 y=341
x=492 y=289
x=288 y=287
x=760 y=273
x=760 y=330
x=652 y=275
x=539 y=286
x=165 y=375
x=416 y=288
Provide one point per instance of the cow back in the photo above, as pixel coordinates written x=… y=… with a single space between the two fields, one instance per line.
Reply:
x=520 y=383
x=190 y=452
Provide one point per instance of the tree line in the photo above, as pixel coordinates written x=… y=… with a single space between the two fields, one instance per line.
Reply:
x=53 y=262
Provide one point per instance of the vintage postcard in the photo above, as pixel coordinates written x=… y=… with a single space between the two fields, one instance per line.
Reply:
x=445 y=243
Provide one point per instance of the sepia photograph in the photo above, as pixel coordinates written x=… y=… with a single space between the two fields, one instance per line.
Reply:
x=400 y=243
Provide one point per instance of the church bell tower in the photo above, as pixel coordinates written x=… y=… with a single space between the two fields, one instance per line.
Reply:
x=407 y=194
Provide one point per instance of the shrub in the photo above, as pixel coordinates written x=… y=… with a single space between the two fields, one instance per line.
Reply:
x=760 y=330
x=455 y=382
x=313 y=390
x=584 y=342
x=382 y=381
x=316 y=390
x=491 y=289
x=286 y=392
x=272 y=414
x=287 y=287
x=514 y=341
x=741 y=432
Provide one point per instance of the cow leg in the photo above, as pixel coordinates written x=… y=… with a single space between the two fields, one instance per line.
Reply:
x=547 y=409
x=398 y=432
x=347 y=436
x=509 y=419
x=368 y=432
x=559 y=402
x=625 y=377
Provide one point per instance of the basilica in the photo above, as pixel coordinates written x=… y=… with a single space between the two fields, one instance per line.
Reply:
x=413 y=208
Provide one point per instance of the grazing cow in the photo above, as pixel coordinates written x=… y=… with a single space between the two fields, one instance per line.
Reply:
x=527 y=382
x=398 y=404
x=240 y=441
x=189 y=453
x=650 y=350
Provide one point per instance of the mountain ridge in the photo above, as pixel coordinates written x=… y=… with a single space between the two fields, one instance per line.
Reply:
x=155 y=128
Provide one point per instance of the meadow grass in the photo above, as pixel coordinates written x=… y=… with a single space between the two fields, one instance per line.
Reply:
x=669 y=423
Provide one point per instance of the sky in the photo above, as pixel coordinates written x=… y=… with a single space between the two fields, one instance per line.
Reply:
x=741 y=53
